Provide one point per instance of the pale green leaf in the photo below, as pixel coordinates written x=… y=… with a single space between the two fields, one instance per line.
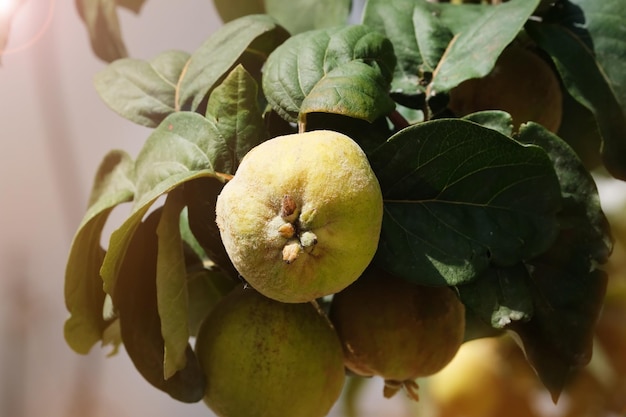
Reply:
x=171 y=283
x=474 y=51
x=303 y=15
x=209 y=64
x=141 y=91
x=140 y=324
x=182 y=148
x=84 y=296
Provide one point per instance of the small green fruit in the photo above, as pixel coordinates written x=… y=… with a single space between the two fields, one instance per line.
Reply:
x=301 y=218
x=263 y=358
x=397 y=330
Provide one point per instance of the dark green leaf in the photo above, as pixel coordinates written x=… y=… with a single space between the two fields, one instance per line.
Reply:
x=582 y=210
x=182 y=148
x=84 y=296
x=459 y=197
x=419 y=39
x=558 y=339
x=201 y=195
x=369 y=136
x=209 y=64
x=233 y=109
x=579 y=129
x=500 y=296
x=586 y=82
x=476 y=327
x=474 y=51
x=302 y=15
x=143 y=92
x=498 y=120
x=605 y=23
x=570 y=16
x=568 y=288
x=345 y=70
x=100 y=17
x=432 y=37
x=171 y=282
x=136 y=301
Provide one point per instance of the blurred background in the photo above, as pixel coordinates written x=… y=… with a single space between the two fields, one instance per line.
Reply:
x=54 y=131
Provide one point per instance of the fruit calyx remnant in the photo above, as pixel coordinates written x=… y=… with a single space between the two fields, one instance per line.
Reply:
x=298 y=238
x=393 y=386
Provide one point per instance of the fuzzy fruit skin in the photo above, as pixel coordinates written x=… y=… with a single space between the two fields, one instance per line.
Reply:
x=263 y=358
x=395 y=329
x=322 y=183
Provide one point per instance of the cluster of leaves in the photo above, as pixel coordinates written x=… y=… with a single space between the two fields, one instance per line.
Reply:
x=510 y=218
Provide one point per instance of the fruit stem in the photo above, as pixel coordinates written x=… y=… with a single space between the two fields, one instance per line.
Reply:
x=322 y=313
x=302 y=123
x=398 y=121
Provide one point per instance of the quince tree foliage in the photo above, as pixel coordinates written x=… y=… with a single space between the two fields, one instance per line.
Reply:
x=488 y=202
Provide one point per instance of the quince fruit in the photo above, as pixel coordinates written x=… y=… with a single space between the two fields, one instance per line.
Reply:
x=522 y=83
x=397 y=330
x=264 y=358
x=301 y=217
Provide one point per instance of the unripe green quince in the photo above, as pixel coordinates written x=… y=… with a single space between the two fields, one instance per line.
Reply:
x=264 y=358
x=301 y=218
